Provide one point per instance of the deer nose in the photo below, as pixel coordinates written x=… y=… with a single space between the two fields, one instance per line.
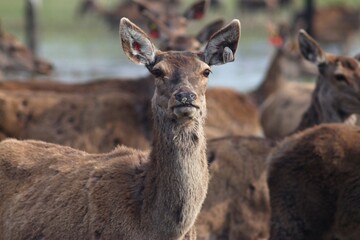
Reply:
x=185 y=97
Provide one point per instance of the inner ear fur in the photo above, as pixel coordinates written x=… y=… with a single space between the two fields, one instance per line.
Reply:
x=221 y=47
x=135 y=43
x=310 y=49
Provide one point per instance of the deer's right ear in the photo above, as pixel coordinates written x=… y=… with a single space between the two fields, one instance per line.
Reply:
x=135 y=43
x=222 y=46
x=310 y=49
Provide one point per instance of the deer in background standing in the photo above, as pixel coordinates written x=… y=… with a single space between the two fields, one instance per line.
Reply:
x=17 y=60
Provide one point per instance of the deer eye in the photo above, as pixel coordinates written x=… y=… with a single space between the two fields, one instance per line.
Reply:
x=340 y=78
x=206 y=72
x=157 y=73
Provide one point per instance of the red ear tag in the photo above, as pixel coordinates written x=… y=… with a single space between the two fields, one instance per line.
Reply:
x=276 y=41
x=198 y=15
x=136 y=46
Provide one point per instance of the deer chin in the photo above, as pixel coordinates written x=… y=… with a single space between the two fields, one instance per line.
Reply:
x=185 y=111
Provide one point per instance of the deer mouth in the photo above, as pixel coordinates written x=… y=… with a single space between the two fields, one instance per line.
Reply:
x=185 y=110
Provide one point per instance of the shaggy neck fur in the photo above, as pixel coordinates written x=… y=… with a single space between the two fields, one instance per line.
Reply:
x=177 y=179
x=323 y=108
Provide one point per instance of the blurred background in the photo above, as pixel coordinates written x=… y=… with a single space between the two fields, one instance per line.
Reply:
x=83 y=47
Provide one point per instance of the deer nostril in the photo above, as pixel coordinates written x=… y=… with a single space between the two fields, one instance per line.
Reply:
x=184 y=97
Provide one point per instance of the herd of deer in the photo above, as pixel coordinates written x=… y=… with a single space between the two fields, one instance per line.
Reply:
x=205 y=171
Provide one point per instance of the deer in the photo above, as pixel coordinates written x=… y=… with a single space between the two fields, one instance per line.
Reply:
x=243 y=173
x=330 y=149
x=159 y=192
x=281 y=98
x=17 y=60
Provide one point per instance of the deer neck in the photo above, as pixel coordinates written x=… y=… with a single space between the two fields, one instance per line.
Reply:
x=323 y=108
x=177 y=177
x=272 y=81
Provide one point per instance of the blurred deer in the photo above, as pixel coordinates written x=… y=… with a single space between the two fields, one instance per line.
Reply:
x=335 y=24
x=164 y=11
x=281 y=98
x=16 y=59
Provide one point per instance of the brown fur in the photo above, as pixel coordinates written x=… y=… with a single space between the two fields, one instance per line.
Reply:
x=237 y=204
x=336 y=24
x=314 y=184
x=17 y=60
x=56 y=192
x=239 y=162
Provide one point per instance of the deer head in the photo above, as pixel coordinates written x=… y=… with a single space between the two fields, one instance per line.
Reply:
x=180 y=77
x=18 y=58
x=339 y=76
x=170 y=27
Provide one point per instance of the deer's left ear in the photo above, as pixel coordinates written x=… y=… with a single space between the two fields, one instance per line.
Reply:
x=135 y=43
x=222 y=46
x=310 y=49
x=196 y=11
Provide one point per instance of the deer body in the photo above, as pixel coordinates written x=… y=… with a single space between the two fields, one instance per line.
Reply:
x=57 y=192
x=319 y=199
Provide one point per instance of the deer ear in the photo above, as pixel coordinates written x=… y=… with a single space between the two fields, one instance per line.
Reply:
x=196 y=11
x=135 y=43
x=205 y=34
x=222 y=45
x=310 y=49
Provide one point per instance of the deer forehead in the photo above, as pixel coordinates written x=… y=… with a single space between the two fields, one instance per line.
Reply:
x=348 y=63
x=184 y=63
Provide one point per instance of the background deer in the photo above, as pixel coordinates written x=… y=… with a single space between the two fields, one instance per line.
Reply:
x=334 y=24
x=281 y=98
x=124 y=194
x=17 y=60
x=238 y=192
x=165 y=11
